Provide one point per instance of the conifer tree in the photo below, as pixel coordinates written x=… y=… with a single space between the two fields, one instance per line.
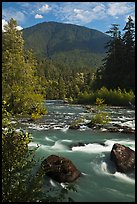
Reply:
x=118 y=69
x=19 y=78
x=108 y=75
x=129 y=53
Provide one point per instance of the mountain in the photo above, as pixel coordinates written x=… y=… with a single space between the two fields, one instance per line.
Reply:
x=66 y=43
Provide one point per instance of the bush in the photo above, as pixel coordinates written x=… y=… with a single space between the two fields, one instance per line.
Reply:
x=17 y=162
x=21 y=182
x=111 y=97
x=101 y=117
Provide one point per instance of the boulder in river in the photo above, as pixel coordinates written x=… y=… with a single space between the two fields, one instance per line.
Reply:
x=123 y=157
x=60 y=169
x=74 y=126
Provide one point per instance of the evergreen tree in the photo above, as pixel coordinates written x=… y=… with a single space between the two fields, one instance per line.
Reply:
x=118 y=69
x=108 y=75
x=19 y=77
x=129 y=52
x=61 y=87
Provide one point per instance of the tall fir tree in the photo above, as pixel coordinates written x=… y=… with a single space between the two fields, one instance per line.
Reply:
x=107 y=75
x=118 y=69
x=129 y=53
x=19 y=77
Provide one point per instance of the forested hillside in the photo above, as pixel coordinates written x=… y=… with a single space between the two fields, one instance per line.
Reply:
x=67 y=62
x=74 y=60
x=67 y=43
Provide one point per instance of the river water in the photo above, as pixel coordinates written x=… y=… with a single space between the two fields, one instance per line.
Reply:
x=99 y=181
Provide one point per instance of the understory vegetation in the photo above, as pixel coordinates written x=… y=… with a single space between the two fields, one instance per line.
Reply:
x=115 y=97
x=101 y=116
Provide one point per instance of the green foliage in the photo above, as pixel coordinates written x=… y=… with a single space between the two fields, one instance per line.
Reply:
x=118 y=69
x=77 y=122
x=22 y=179
x=17 y=161
x=99 y=102
x=60 y=82
x=101 y=117
x=86 y=98
x=67 y=64
x=66 y=44
x=39 y=111
x=115 y=97
x=20 y=83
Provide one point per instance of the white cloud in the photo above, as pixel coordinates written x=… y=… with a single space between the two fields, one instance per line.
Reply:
x=38 y=16
x=78 y=10
x=19 y=28
x=4 y=22
x=87 y=12
x=99 y=8
x=44 y=8
x=80 y=13
x=119 y=8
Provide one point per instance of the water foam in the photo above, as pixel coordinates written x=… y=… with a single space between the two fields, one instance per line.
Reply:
x=33 y=144
x=83 y=127
x=126 y=142
x=108 y=144
x=64 y=129
x=52 y=183
x=103 y=168
x=38 y=127
x=48 y=139
x=66 y=140
x=130 y=124
x=58 y=146
x=63 y=185
x=92 y=148
x=124 y=177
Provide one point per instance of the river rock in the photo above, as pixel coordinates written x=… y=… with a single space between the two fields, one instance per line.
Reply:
x=94 y=126
x=60 y=169
x=74 y=126
x=128 y=130
x=123 y=157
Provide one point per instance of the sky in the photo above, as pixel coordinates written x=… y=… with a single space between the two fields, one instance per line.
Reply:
x=94 y=15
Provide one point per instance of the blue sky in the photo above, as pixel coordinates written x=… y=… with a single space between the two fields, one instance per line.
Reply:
x=95 y=15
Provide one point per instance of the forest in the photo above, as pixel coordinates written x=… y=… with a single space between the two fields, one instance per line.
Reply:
x=71 y=71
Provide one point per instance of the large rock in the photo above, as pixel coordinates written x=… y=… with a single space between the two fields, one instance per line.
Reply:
x=123 y=157
x=60 y=169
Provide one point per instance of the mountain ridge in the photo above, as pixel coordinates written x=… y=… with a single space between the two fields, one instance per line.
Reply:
x=60 y=40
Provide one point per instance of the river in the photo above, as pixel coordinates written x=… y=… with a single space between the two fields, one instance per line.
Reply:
x=99 y=182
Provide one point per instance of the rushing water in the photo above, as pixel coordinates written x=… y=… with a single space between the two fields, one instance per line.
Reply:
x=99 y=181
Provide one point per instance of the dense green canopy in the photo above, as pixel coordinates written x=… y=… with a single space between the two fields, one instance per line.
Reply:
x=20 y=83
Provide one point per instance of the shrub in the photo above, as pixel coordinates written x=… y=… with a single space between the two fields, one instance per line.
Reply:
x=21 y=182
x=111 y=97
x=101 y=117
